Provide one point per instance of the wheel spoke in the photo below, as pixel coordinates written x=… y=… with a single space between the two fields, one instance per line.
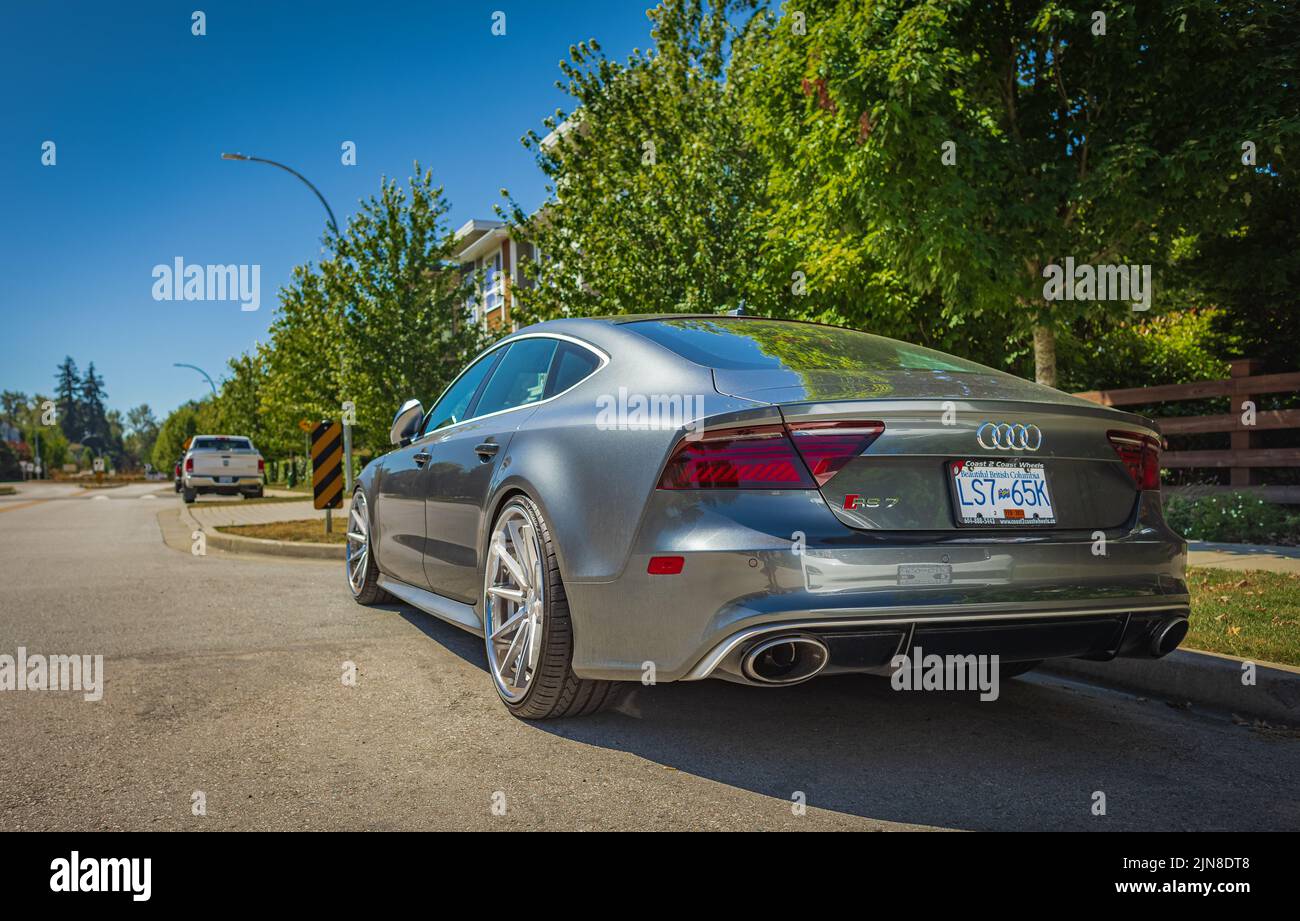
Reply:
x=356 y=536
x=510 y=594
x=511 y=564
x=512 y=622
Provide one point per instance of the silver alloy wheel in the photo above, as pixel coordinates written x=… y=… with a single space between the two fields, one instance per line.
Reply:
x=358 y=543
x=514 y=602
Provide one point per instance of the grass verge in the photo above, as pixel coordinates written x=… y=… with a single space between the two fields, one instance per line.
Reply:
x=1253 y=614
x=265 y=500
x=7 y=490
x=307 y=530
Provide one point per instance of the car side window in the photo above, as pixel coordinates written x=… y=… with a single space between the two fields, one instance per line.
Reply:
x=520 y=378
x=573 y=363
x=454 y=405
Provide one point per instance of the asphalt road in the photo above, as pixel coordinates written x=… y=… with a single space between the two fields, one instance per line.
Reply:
x=223 y=675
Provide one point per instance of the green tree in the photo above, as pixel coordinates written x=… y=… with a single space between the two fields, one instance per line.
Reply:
x=179 y=426
x=141 y=433
x=958 y=149
x=383 y=320
x=67 y=395
x=654 y=188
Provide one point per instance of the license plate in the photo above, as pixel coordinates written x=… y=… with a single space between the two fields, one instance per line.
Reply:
x=225 y=479
x=998 y=493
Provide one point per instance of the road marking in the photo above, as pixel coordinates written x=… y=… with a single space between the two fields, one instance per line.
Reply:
x=15 y=507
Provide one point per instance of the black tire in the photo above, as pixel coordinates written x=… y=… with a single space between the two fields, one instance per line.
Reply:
x=555 y=691
x=1016 y=669
x=256 y=494
x=188 y=495
x=370 y=592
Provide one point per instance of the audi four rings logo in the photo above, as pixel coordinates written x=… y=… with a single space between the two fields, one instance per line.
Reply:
x=1009 y=436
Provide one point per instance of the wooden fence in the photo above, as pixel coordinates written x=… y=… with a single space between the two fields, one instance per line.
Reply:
x=1244 y=457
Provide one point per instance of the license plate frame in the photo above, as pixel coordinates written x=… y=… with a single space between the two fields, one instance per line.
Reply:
x=961 y=471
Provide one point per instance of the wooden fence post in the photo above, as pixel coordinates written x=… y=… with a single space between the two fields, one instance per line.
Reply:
x=1243 y=438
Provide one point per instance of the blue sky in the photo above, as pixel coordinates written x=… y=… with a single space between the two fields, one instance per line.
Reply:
x=140 y=110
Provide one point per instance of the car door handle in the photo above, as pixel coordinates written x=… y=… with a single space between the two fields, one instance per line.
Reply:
x=487 y=450
x=421 y=458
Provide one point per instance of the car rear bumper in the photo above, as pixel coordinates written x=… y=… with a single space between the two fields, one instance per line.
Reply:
x=742 y=580
x=195 y=481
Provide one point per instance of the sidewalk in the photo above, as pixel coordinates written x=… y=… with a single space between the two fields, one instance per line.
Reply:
x=209 y=518
x=1243 y=556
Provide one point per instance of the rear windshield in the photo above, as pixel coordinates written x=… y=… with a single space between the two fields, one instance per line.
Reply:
x=221 y=444
x=741 y=344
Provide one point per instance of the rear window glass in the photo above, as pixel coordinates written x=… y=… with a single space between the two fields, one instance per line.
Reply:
x=221 y=444
x=739 y=344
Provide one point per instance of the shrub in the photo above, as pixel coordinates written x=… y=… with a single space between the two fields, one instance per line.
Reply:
x=1235 y=518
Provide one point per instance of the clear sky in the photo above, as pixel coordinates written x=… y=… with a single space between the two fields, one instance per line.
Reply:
x=140 y=110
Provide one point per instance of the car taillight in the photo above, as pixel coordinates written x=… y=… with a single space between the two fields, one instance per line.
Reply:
x=189 y=465
x=803 y=455
x=1140 y=454
x=749 y=457
x=261 y=465
x=827 y=446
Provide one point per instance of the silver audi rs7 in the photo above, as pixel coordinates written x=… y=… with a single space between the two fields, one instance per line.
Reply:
x=673 y=498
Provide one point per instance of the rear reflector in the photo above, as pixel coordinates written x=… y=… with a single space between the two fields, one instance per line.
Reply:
x=665 y=565
x=1140 y=454
x=752 y=457
x=827 y=446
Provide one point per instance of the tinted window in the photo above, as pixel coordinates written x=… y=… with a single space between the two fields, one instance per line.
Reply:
x=454 y=403
x=735 y=344
x=520 y=377
x=572 y=364
x=221 y=444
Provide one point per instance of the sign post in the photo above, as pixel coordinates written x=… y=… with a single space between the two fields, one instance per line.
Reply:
x=327 y=469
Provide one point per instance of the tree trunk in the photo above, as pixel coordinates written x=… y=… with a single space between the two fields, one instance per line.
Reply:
x=1045 y=355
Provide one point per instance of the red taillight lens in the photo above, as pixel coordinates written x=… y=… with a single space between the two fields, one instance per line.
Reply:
x=768 y=456
x=189 y=465
x=1140 y=454
x=827 y=446
x=261 y=465
x=752 y=457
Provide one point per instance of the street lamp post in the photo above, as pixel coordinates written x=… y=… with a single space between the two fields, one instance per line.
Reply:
x=347 y=426
x=177 y=364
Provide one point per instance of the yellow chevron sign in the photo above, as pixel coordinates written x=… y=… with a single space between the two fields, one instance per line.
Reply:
x=327 y=465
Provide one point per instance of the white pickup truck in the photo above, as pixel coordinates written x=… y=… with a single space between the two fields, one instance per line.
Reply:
x=221 y=464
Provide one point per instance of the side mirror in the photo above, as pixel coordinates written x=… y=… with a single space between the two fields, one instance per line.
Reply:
x=406 y=423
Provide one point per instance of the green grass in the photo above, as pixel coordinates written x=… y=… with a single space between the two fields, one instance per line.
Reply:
x=7 y=490
x=308 y=530
x=1251 y=614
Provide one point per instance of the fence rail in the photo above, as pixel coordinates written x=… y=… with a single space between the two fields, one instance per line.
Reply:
x=1245 y=455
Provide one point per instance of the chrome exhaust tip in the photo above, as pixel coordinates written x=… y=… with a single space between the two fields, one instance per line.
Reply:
x=1166 y=637
x=785 y=660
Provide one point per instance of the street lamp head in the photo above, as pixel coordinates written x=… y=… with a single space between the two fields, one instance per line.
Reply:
x=234 y=156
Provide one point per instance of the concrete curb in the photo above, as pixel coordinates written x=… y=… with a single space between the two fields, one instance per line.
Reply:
x=237 y=544
x=1205 y=678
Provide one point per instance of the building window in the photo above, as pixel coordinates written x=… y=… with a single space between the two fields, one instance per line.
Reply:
x=493 y=284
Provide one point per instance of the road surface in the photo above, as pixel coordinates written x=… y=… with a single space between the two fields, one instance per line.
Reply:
x=223 y=677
